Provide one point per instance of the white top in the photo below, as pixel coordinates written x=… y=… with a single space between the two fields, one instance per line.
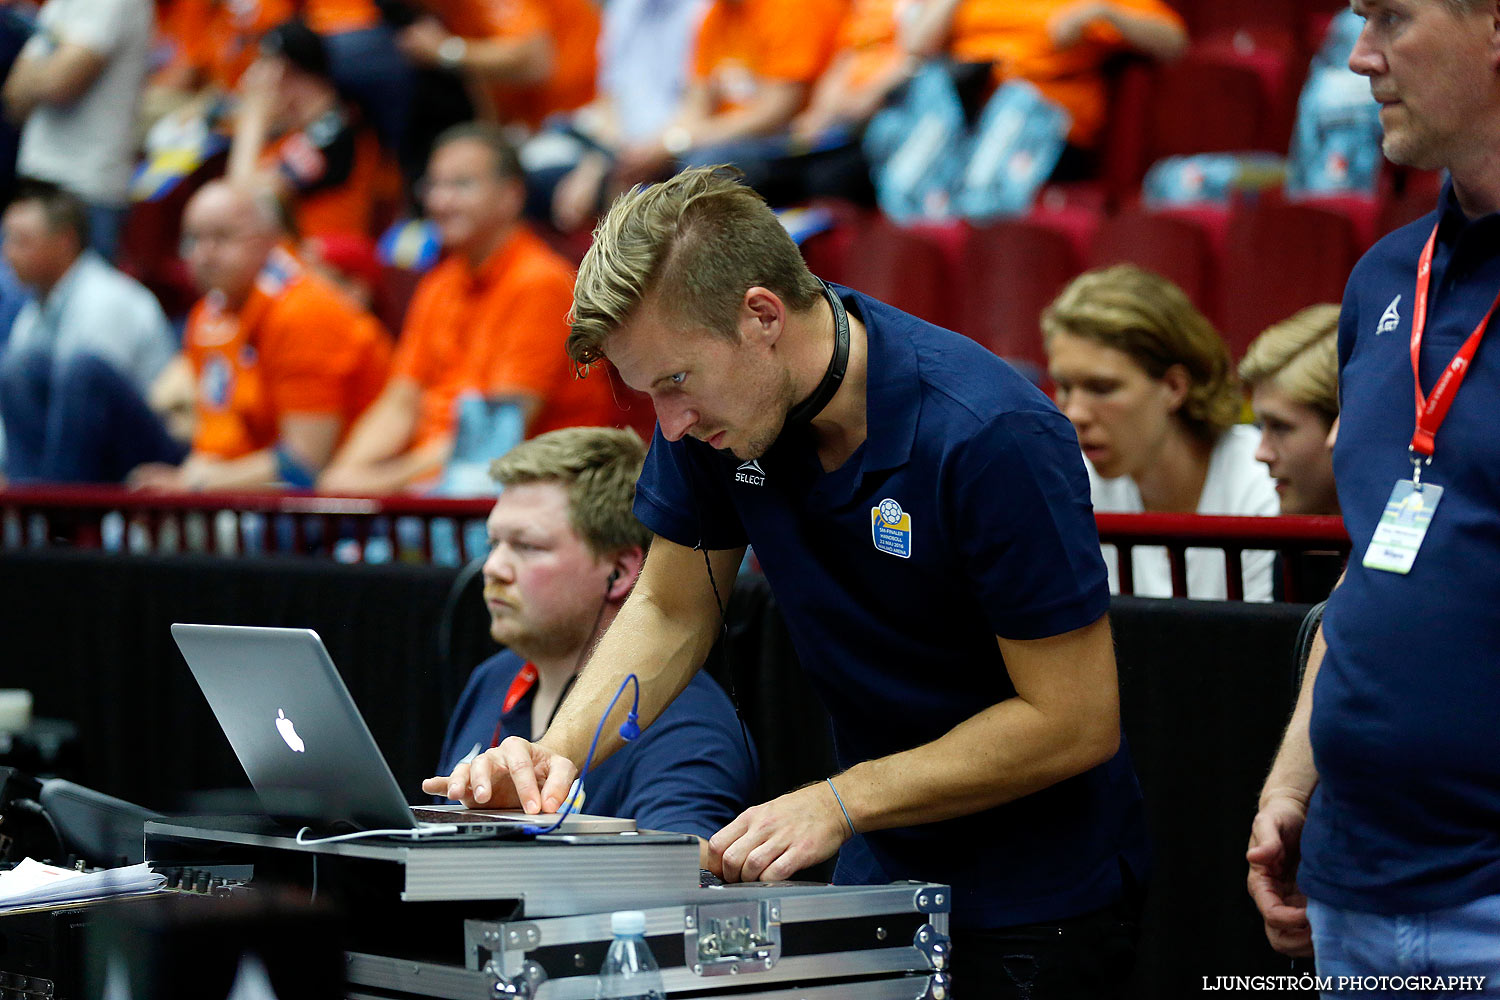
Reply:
x=97 y=310
x=1236 y=484
x=645 y=52
x=88 y=145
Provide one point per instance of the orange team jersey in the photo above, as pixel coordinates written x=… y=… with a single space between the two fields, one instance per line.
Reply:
x=743 y=44
x=234 y=32
x=297 y=346
x=868 y=34
x=497 y=330
x=228 y=36
x=1013 y=35
x=572 y=25
x=333 y=17
x=179 y=27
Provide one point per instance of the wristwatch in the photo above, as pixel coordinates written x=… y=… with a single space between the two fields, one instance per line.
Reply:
x=451 y=52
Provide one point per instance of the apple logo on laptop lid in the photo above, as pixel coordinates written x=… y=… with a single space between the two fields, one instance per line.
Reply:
x=288 y=732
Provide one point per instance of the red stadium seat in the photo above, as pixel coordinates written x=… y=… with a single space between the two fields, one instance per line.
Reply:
x=1281 y=257
x=1012 y=270
x=827 y=253
x=911 y=268
x=1274 y=23
x=1122 y=151
x=1183 y=246
x=1217 y=99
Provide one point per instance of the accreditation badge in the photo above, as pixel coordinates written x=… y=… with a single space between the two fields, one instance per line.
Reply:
x=1403 y=525
x=890 y=528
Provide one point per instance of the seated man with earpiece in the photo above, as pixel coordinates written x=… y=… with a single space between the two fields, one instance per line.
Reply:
x=565 y=550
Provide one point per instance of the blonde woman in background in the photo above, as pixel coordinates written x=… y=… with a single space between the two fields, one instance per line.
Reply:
x=1148 y=385
x=1292 y=372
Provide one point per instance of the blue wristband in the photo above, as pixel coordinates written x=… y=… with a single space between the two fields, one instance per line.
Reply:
x=840 y=801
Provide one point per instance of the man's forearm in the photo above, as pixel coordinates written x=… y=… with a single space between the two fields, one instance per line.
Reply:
x=256 y=470
x=1293 y=774
x=927 y=33
x=662 y=644
x=384 y=430
x=1152 y=36
x=1006 y=752
x=23 y=89
x=519 y=61
x=769 y=114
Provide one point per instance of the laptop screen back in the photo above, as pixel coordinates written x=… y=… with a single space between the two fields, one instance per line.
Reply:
x=293 y=725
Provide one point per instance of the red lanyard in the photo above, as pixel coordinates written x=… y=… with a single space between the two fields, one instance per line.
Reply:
x=518 y=689
x=1432 y=410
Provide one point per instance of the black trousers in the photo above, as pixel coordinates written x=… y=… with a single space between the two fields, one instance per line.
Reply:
x=1088 y=957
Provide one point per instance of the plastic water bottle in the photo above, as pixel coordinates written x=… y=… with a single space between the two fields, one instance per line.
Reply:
x=629 y=971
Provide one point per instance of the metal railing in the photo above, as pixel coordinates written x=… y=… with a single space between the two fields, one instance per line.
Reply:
x=451 y=531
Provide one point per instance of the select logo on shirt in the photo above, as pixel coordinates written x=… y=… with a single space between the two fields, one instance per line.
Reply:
x=750 y=473
x=1391 y=318
x=890 y=528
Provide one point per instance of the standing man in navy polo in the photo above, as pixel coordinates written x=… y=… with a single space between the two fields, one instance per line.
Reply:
x=1387 y=785
x=922 y=515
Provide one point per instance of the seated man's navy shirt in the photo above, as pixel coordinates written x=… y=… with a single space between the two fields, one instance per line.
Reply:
x=1405 y=725
x=686 y=773
x=964 y=515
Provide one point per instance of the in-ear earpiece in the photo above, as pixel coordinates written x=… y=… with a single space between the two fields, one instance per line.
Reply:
x=631 y=727
x=614 y=577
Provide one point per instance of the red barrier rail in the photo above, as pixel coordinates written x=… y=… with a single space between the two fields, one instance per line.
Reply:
x=1289 y=536
x=352 y=529
x=427 y=529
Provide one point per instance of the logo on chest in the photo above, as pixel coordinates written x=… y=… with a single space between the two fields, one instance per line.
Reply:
x=890 y=528
x=1391 y=318
x=750 y=473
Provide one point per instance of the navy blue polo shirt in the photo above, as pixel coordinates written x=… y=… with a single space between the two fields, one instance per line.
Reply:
x=1406 y=708
x=964 y=515
x=686 y=773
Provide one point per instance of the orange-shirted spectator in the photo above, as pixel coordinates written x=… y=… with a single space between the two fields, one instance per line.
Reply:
x=490 y=318
x=754 y=64
x=229 y=38
x=1058 y=45
x=530 y=58
x=179 y=28
x=295 y=132
x=868 y=64
x=282 y=362
x=203 y=47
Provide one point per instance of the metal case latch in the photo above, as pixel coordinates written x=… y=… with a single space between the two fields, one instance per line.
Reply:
x=935 y=946
x=726 y=939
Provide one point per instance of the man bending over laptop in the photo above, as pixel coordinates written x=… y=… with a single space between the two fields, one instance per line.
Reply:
x=565 y=550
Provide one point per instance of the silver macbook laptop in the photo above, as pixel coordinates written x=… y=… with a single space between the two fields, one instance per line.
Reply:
x=306 y=748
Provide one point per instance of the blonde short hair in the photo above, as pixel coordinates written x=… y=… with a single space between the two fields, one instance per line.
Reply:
x=695 y=244
x=598 y=467
x=1300 y=355
x=1152 y=321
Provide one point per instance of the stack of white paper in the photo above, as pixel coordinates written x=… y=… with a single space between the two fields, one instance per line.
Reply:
x=32 y=883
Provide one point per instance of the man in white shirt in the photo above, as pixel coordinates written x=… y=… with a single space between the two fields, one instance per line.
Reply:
x=75 y=85
x=83 y=354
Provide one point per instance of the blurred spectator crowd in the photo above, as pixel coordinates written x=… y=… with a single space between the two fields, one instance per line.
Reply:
x=328 y=243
